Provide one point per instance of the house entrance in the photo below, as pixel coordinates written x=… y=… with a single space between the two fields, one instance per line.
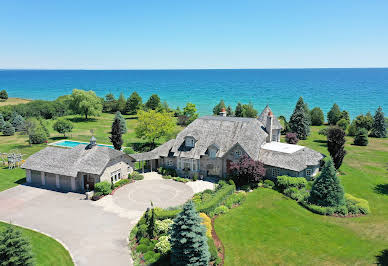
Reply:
x=88 y=182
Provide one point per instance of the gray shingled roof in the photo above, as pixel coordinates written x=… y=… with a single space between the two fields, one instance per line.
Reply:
x=297 y=161
x=69 y=162
x=225 y=132
x=263 y=118
x=163 y=150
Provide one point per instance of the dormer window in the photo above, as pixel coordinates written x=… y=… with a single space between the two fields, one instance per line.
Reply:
x=212 y=153
x=189 y=142
x=237 y=153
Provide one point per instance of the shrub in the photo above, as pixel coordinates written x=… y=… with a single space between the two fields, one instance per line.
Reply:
x=361 y=138
x=129 y=150
x=212 y=249
x=296 y=194
x=8 y=129
x=163 y=246
x=207 y=223
x=318 y=209
x=121 y=182
x=220 y=210
x=181 y=179
x=352 y=129
x=151 y=257
x=97 y=195
x=218 y=198
x=63 y=126
x=291 y=138
x=236 y=198
x=284 y=182
x=268 y=183
x=361 y=204
x=136 y=176
x=103 y=187
x=162 y=226
x=343 y=124
x=38 y=136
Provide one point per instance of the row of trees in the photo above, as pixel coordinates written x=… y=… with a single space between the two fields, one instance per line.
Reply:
x=241 y=110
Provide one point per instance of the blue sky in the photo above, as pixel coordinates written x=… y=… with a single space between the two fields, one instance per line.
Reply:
x=193 y=34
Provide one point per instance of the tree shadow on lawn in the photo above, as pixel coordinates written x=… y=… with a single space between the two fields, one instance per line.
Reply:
x=82 y=119
x=382 y=258
x=58 y=138
x=381 y=189
x=323 y=143
x=140 y=146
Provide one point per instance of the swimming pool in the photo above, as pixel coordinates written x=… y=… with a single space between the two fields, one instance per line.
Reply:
x=73 y=143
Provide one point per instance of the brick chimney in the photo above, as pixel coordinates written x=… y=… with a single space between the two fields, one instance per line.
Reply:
x=268 y=126
x=223 y=112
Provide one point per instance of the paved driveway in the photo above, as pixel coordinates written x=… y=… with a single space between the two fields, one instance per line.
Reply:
x=96 y=233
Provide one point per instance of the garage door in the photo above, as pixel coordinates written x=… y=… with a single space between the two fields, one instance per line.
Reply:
x=50 y=181
x=35 y=178
x=65 y=183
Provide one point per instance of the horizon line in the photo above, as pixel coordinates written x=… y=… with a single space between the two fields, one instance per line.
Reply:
x=156 y=69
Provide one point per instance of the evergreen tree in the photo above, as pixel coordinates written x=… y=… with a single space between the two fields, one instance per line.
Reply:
x=2 y=122
x=307 y=112
x=14 y=248
x=134 y=104
x=335 y=145
x=238 y=111
x=369 y=121
x=121 y=103
x=379 y=129
x=327 y=189
x=317 y=117
x=345 y=115
x=18 y=122
x=153 y=102
x=3 y=95
x=123 y=123
x=188 y=238
x=343 y=124
x=190 y=111
x=150 y=221
x=110 y=103
x=334 y=115
x=229 y=111
x=217 y=109
x=8 y=129
x=299 y=121
x=361 y=138
x=116 y=134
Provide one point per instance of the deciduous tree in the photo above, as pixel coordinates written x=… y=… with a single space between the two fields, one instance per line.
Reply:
x=188 y=238
x=246 y=170
x=3 y=95
x=85 y=103
x=121 y=102
x=249 y=110
x=63 y=126
x=336 y=145
x=190 y=111
x=317 y=117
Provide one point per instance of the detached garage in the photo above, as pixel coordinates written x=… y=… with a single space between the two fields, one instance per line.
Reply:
x=76 y=169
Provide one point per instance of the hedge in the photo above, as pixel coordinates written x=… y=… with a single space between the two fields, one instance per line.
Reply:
x=362 y=204
x=122 y=182
x=284 y=182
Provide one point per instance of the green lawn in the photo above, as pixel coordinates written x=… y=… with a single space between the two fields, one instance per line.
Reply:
x=272 y=229
x=47 y=251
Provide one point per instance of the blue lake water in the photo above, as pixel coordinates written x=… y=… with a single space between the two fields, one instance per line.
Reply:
x=356 y=90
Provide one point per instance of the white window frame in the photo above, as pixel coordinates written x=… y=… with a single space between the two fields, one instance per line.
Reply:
x=115 y=176
x=309 y=172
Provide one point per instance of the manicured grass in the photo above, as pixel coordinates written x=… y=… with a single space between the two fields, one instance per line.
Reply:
x=13 y=101
x=272 y=229
x=47 y=251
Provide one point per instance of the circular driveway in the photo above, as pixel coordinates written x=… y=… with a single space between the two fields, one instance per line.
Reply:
x=162 y=193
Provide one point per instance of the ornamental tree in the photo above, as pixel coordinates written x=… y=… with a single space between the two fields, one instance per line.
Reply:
x=335 y=145
x=63 y=126
x=327 y=190
x=379 y=129
x=317 y=117
x=116 y=134
x=188 y=238
x=299 y=121
x=291 y=138
x=15 y=248
x=361 y=138
x=18 y=122
x=134 y=104
x=8 y=129
x=152 y=125
x=246 y=171
x=85 y=103
x=334 y=115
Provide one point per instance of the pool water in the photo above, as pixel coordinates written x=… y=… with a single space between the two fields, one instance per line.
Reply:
x=72 y=143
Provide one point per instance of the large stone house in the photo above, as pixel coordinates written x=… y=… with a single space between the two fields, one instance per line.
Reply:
x=77 y=169
x=209 y=144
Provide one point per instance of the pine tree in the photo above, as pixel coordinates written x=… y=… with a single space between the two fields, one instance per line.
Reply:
x=238 y=111
x=229 y=111
x=123 y=123
x=14 y=248
x=188 y=238
x=121 y=103
x=334 y=115
x=8 y=129
x=2 y=122
x=327 y=189
x=335 y=145
x=134 y=104
x=317 y=117
x=18 y=122
x=379 y=129
x=116 y=135
x=361 y=138
x=153 y=102
x=299 y=121
x=217 y=109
